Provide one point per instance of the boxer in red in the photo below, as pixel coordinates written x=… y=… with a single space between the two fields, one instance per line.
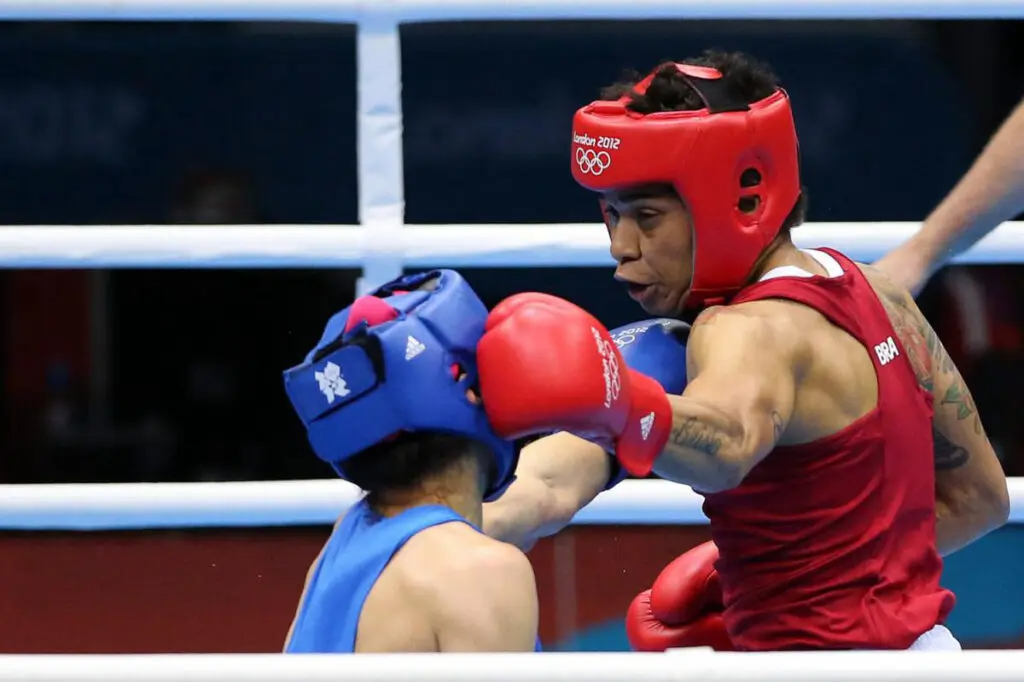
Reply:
x=836 y=445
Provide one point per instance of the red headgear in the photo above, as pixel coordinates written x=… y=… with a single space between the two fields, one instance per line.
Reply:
x=703 y=154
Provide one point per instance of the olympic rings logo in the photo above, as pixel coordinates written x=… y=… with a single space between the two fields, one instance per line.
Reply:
x=591 y=162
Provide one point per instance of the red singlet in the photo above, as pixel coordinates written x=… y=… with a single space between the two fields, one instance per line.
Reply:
x=831 y=544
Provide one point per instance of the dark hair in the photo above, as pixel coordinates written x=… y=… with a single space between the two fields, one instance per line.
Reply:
x=406 y=461
x=671 y=91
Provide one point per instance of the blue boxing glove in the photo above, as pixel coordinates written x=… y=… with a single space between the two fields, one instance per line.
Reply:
x=656 y=348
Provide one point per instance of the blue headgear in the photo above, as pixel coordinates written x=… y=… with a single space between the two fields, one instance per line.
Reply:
x=357 y=388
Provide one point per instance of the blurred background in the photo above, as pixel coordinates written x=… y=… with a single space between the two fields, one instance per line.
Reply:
x=175 y=375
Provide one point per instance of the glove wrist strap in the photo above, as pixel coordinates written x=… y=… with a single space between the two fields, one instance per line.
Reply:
x=648 y=426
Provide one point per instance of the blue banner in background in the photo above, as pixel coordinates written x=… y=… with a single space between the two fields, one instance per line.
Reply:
x=101 y=124
x=105 y=125
x=124 y=124
x=487 y=119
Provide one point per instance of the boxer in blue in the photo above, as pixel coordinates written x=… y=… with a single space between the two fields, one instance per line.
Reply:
x=388 y=399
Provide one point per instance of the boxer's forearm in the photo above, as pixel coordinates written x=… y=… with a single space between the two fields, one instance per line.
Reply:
x=708 y=448
x=991 y=192
x=556 y=477
x=953 y=532
x=959 y=522
x=526 y=512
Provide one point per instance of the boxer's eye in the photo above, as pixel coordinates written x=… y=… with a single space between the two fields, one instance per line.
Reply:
x=648 y=218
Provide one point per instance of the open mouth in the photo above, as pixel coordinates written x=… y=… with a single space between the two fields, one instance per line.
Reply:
x=637 y=291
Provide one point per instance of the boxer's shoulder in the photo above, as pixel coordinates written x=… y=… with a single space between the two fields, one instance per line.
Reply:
x=442 y=585
x=777 y=326
x=893 y=296
x=455 y=557
x=479 y=593
x=766 y=313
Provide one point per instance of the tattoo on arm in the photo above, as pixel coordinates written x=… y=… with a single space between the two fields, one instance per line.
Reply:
x=697 y=436
x=958 y=396
x=919 y=340
x=929 y=358
x=948 y=455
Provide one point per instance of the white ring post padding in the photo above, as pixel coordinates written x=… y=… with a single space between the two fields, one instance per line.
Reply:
x=138 y=506
x=417 y=246
x=381 y=178
x=679 y=665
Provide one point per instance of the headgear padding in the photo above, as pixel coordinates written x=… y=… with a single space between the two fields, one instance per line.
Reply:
x=703 y=154
x=383 y=366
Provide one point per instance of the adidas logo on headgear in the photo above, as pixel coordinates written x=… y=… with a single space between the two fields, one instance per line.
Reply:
x=413 y=348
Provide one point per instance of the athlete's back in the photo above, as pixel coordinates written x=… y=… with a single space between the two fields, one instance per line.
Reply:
x=424 y=580
x=830 y=541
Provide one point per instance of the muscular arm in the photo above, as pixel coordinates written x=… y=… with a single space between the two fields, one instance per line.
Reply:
x=556 y=477
x=992 y=191
x=971 y=498
x=742 y=364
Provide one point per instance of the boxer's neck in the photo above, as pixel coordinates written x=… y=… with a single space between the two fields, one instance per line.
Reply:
x=457 y=488
x=786 y=253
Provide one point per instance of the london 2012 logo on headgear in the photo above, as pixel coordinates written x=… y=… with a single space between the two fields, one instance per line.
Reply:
x=591 y=162
x=331 y=382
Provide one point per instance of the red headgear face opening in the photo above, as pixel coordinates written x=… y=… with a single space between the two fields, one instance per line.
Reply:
x=703 y=154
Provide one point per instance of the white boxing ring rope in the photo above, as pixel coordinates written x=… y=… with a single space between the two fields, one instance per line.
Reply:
x=414 y=246
x=381 y=245
x=134 y=506
x=696 y=665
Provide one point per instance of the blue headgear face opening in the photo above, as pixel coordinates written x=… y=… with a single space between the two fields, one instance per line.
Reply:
x=358 y=388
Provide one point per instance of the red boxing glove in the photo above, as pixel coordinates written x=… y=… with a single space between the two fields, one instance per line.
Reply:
x=683 y=609
x=548 y=365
